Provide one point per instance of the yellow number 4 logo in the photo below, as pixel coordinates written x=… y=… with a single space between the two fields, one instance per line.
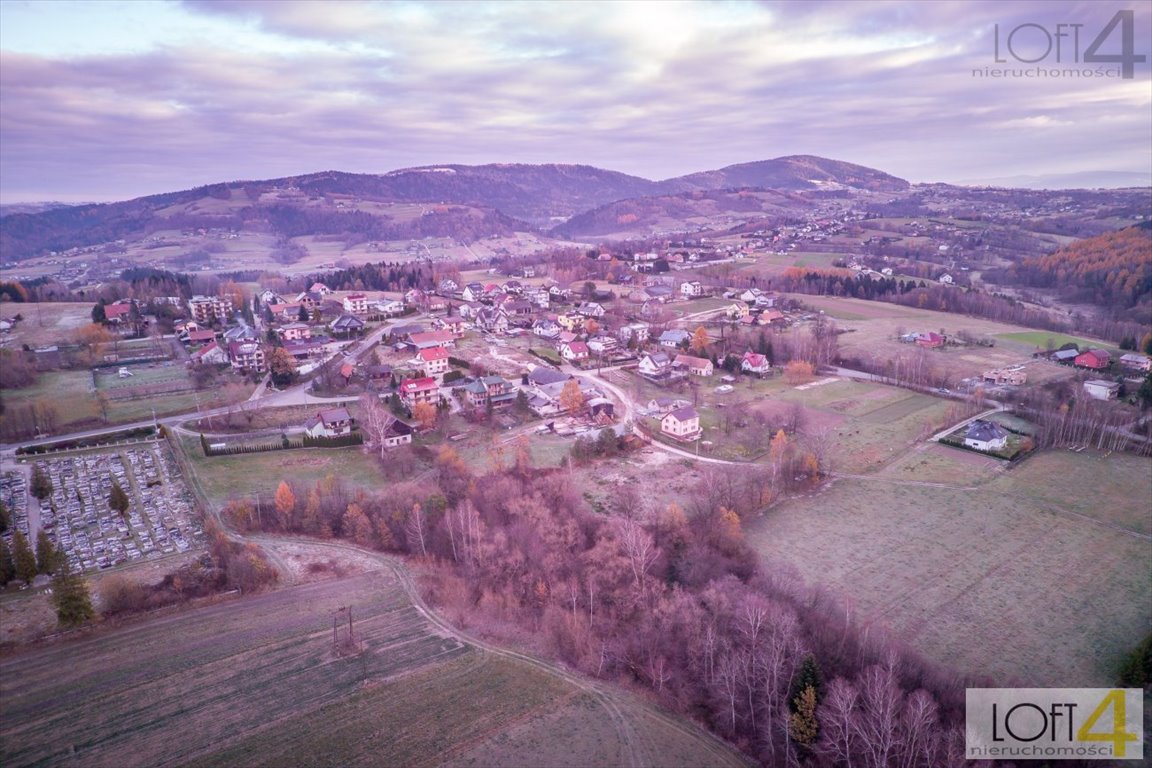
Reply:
x=1119 y=736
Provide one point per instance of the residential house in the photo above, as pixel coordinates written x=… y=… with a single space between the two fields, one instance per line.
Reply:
x=286 y=312
x=591 y=309
x=270 y=297
x=691 y=289
x=429 y=339
x=770 y=316
x=356 y=304
x=663 y=405
x=295 y=332
x=415 y=391
x=397 y=433
x=655 y=366
x=519 y=308
x=546 y=329
x=241 y=333
x=1101 y=389
x=638 y=331
x=929 y=340
x=490 y=389
x=602 y=345
x=432 y=361
x=247 y=356
x=210 y=309
x=674 y=337
x=472 y=292
x=681 y=424
x=493 y=320
x=1136 y=362
x=659 y=293
x=200 y=336
x=755 y=363
x=210 y=354
x=118 y=312
x=1096 y=359
x=574 y=350
x=986 y=436
x=946 y=279
x=1066 y=355
x=310 y=299
x=346 y=326
x=514 y=287
x=737 y=310
x=320 y=288
x=1005 y=376
x=448 y=287
x=389 y=308
x=332 y=422
x=569 y=321
x=695 y=366
x=453 y=325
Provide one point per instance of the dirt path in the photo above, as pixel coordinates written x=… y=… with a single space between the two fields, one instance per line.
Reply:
x=637 y=755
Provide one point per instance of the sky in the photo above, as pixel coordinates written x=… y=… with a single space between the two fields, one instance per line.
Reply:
x=112 y=100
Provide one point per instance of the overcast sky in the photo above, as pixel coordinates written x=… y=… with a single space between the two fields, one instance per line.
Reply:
x=111 y=100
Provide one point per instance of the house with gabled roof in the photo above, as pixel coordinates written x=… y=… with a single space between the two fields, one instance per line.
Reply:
x=674 y=337
x=429 y=339
x=1136 y=362
x=574 y=350
x=1096 y=359
x=210 y=354
x=695 y=366
x=356 y=303
x=346 y=325
x=681 y=424
x=655 y=366
x=432 y=361
x=755 y=363
x=332 y=422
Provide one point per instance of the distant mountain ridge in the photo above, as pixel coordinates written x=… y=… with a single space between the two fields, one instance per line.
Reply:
x=540 y=195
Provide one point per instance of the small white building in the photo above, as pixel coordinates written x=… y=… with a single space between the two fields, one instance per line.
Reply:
x=682 y=424
x=1101 y=389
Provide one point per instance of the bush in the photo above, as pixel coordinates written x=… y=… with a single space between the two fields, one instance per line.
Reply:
x=119 y=594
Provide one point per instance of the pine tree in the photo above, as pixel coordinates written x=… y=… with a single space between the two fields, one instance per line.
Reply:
x=5 y=519
x=23 y=558
x=70 y=597
x=117 y=499
x=46 y=554
x=7 y=567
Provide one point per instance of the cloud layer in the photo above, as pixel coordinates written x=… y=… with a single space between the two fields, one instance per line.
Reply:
x=112 y=105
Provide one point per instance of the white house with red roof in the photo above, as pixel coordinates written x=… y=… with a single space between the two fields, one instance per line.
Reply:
x=432 y=361
x=755 y=363
x=423 y=390
x=574 y=350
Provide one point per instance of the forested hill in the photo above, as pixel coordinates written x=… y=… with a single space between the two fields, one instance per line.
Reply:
x=1109 y=270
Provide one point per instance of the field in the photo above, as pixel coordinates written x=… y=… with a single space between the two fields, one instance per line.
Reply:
x=1039 y=575
x=874 y=327
x=259 y=681
x=221 y=478
x=1041 y=339
x=44 y=323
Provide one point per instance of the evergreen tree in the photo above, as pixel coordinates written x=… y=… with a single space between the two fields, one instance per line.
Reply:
x=46 y=554
x=5 y=519
x=7 y=567
x=41 y=486
x=70 y=597
x=807 y=677
x=117 y=499
x=23 y=558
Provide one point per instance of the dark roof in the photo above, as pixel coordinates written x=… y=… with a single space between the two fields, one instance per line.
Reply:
x=985 y=431
x=542 y=375
x=683 y=414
